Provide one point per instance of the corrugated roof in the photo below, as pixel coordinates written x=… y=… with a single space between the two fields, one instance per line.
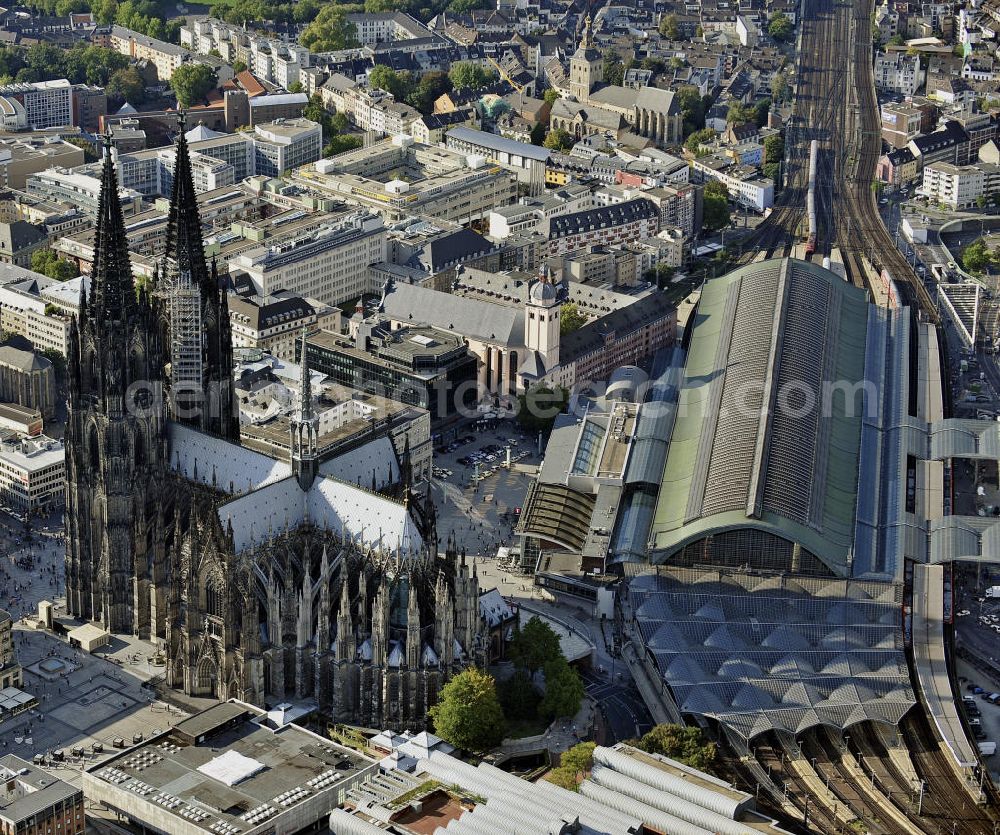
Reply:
x=748 y=449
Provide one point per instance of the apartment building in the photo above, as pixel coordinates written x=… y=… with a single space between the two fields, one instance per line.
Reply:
x=329 y=264
x=898 y=72
x=959 y=186
x=634 y=220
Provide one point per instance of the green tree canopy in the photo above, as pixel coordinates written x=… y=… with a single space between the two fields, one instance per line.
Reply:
x=779 y=27
x=977 y=257
x=574 y=765
x=715 y=211
x=558 y=140
x=779 y=87
x=127 y=85
x=330 y=30
x=192 y=83
x=48 y=263
x=774 y=148
x=570 y=318
x=534 y=645
x=668 y=27
x=468 y=75
x=518 y=696
x=686 y=745
x=538 y=407
x=694 y=142
x=692 y=107
x=427 y=90
x=385 y=78
x=550 y=95
x=468 y=714
x=563 y=690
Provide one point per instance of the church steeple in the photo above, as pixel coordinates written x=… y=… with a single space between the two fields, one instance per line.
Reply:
x=184 y=241
x=112 y=286
x=305 y=427
x=201 y=356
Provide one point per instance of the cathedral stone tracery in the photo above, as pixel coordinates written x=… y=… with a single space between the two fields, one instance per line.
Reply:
x=344 y=599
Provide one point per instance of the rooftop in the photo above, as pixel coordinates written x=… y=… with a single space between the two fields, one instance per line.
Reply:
x=185 y=772
x=25 y=790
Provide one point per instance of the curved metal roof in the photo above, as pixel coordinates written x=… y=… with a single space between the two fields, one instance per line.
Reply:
x=768 y=427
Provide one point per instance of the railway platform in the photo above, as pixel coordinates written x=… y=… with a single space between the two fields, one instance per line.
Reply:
x=931 y=665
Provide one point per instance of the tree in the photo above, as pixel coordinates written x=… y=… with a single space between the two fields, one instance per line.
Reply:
x=468 y=75
x=537 y=135
x=976 y=257
x=715 y=207
x=662 y=275
x=295 y=87
x=694 y=142
x=774 y=148
x=614 y=70
x=570 y=318
x=239 y=66
x=897 y=40
x=563 y=690
x=669 y=28
x=431 y=86
x=574 y=765
x=192 y=82
x=518 y=696
x=538 y=407
x=48 y=263
x=699 y=32
x=386 y=78
x=127 y=86
x=779 y=87
x=329 y=31
x=468 y=714
x=551 y=95
x=534 y=646
x=340 y=144
x=779 y=27
x=558 y=140
x=692 y=107
x=687 y=745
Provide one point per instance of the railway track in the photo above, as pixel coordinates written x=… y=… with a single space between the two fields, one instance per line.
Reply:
x=947 y=804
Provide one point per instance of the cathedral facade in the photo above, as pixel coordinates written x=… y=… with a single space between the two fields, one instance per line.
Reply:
x=261 y=579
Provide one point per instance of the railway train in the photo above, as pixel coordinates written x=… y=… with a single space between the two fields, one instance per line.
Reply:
x=811 y=199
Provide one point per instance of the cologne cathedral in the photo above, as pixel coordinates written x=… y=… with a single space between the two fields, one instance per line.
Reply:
x=261 y=579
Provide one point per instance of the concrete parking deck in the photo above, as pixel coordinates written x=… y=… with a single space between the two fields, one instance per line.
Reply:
x=932 y=668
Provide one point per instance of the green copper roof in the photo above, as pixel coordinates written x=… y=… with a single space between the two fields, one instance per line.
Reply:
x=764 y=438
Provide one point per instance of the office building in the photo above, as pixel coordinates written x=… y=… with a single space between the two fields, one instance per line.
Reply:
x=285 y=144
x=32 y=474
x=399 y=178
x=20 y=157
x=37 y=105
x=62 y=185
x=330 y=264
x=231 y=768
x=419 y=365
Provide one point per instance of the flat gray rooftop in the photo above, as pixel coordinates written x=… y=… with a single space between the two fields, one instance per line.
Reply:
x=294 y=766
